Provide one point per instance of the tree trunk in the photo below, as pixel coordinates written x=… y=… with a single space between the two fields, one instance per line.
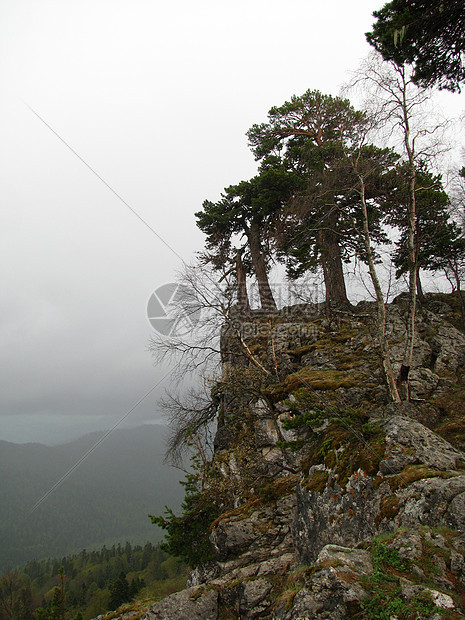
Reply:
x=413 y=267
x=409 y=145
x=258 y=260
x=381 y=308
x=333 y=273
x=242 y=297
x=420 y=293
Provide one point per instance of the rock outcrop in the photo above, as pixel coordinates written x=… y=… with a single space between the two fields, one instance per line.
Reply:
x=339 y=503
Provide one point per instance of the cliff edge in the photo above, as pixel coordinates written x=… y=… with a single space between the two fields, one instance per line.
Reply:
x=326 y=500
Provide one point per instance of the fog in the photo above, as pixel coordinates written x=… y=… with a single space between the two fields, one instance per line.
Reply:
x=118 y=119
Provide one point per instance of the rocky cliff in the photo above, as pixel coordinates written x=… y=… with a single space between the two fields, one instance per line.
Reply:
x=331 y=501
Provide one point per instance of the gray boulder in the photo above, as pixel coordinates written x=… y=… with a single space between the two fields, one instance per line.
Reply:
x=190 y=604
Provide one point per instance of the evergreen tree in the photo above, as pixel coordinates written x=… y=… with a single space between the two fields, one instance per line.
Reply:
x=309 y=132
x=436 y=235
x=119 y=591
x=248 y=212
x=428 y=34
x=312 y=135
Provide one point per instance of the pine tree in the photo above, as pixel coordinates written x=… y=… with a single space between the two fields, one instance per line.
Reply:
x=119 y=591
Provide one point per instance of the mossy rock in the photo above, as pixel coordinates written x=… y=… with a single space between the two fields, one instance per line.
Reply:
x=317 y=482
x=346 y=451
x=388 y=509
x=412 y=473
x=321 y=379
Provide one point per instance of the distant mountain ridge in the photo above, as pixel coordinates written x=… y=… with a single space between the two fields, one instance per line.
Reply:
x=105 y=499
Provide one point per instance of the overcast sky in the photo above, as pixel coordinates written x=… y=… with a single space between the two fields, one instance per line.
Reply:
x=156 y=98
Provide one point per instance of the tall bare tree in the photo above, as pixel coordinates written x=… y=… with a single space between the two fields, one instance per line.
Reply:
x=402 y=111
x=372 y=166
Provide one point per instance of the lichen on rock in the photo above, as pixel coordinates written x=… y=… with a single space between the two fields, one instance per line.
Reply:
x=340 y=503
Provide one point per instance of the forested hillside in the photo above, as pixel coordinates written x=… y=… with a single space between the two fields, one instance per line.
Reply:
x=85 y=585
x=104 y=500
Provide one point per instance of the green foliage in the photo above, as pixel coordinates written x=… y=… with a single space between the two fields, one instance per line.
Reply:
x=314 y=134
x=15 y=597
x=307 y=413
x=249 y=203
x=57 y=608
x=439 y=242
x=385 y=599
x=311 y=119
x=311 y=418
x=386 y=557
x=187 y=536
x=383 y=604
x=89 y=579
x=428 y=34
x=119 y=591
x=245 y=219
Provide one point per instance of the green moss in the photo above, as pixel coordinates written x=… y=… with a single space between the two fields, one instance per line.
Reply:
x=242 y=512
x=371 y=455
x=317 y=482
x=347 y=445
x=321 y=379
x=281 y=487
x=353 y=457
x=359 y=456
x=356 y=358
x=388 y=509
x=446 y=532
x=412 y=473
x=291 y=585
x=331 y=459
x=269 y=493
x=197 y=594
x=378 y=479
x=299 y=351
